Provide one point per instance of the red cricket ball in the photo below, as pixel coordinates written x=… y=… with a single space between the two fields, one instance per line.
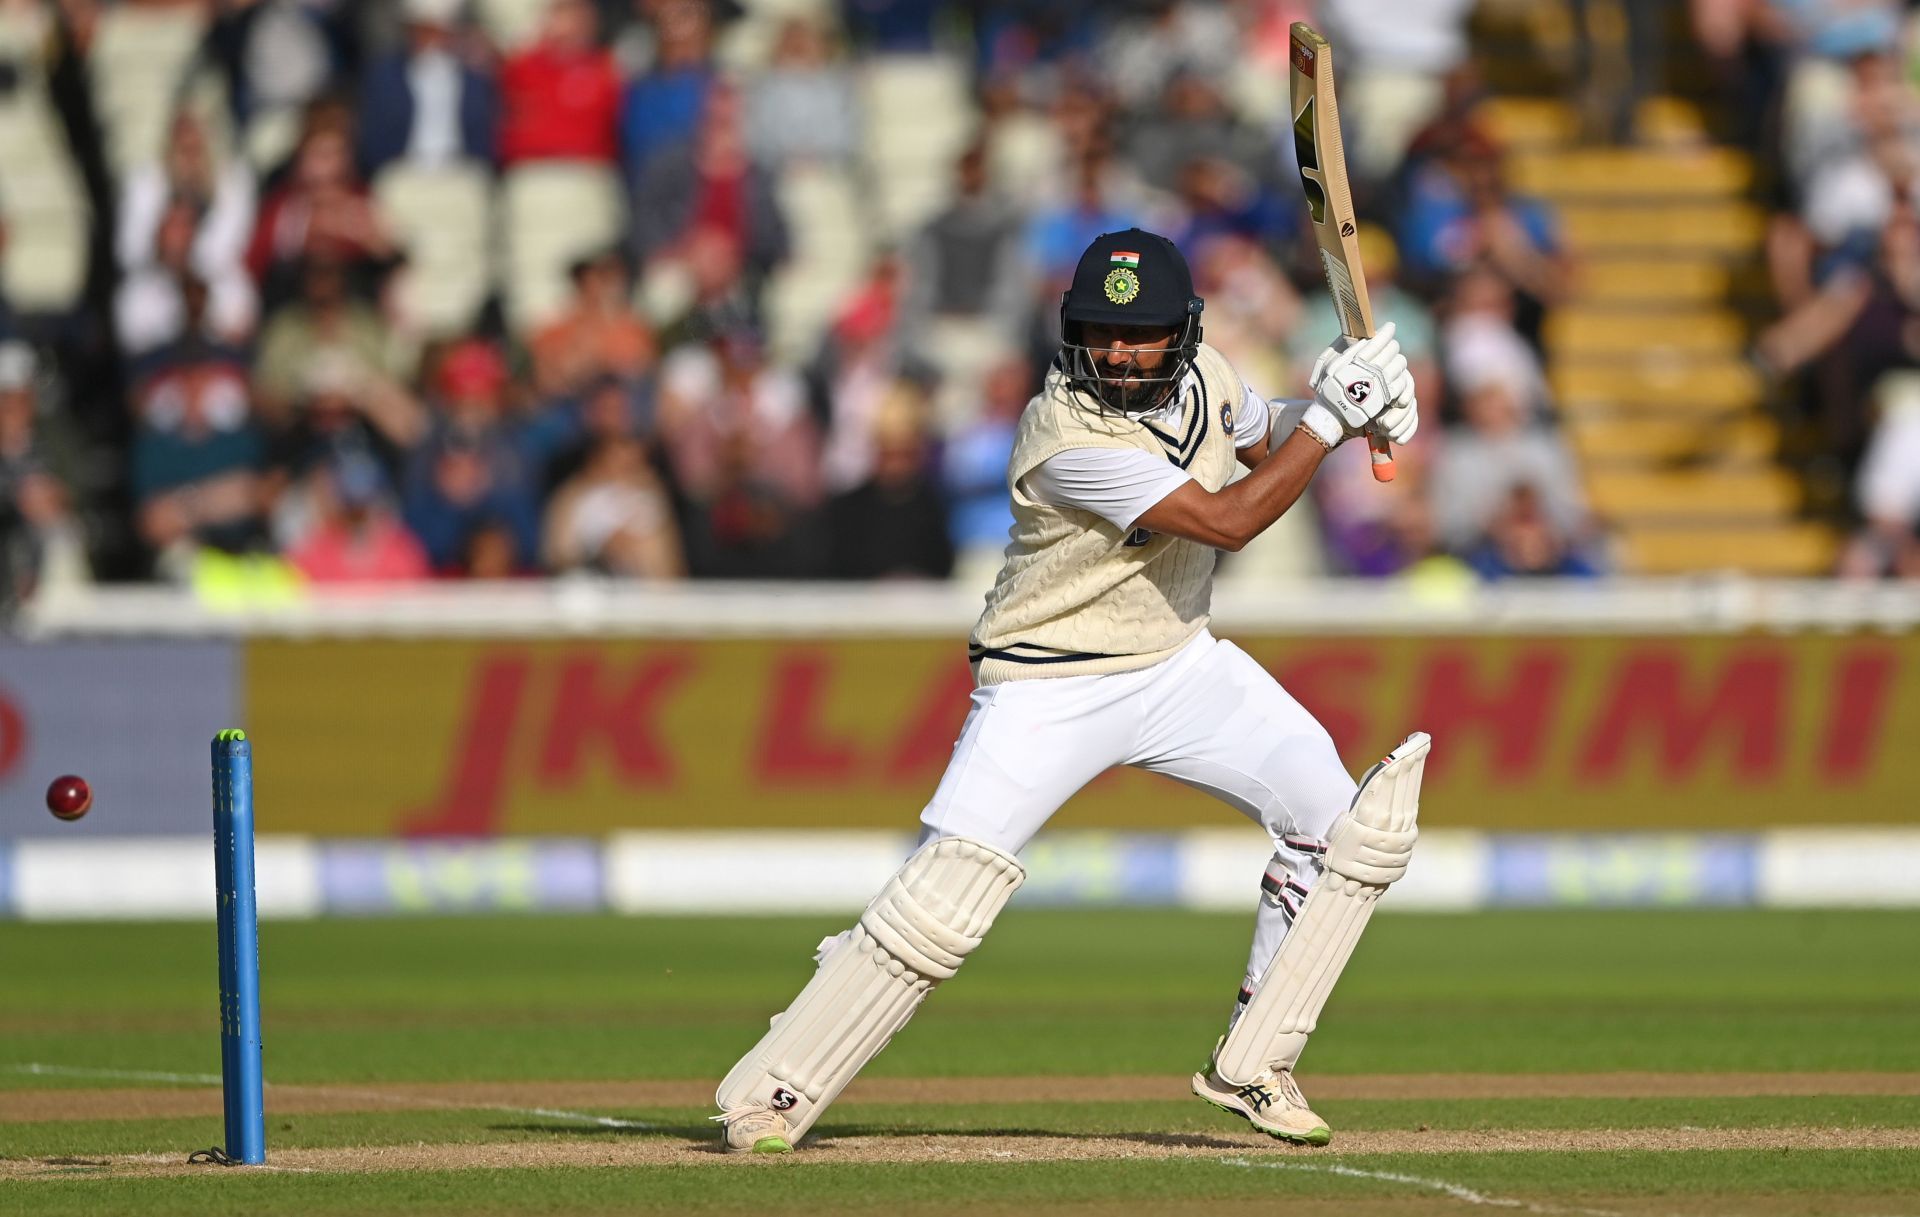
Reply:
x=69 y=797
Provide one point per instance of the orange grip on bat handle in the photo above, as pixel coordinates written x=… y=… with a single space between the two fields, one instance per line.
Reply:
x=1380 y=452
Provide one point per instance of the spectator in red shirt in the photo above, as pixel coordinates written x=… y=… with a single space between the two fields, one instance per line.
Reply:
x=322 y=210
x=561 y=96
x=709 y=182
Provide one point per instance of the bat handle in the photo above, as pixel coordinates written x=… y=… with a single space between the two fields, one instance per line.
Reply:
x=1380 y=452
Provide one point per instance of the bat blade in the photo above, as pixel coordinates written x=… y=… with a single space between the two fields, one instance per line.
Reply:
x=1323 y=179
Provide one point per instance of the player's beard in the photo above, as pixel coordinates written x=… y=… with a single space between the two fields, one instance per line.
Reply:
x=1127 y=388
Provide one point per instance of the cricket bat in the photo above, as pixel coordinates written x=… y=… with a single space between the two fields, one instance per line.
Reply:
x=1323 y=175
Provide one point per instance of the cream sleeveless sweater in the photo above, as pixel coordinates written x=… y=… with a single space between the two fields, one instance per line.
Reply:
x=1076 y=595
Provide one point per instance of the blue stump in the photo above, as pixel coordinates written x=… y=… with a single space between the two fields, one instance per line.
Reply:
x=240 y=1069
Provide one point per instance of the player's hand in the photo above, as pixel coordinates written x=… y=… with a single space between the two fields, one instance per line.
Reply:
x=1341 y=346
x=1401 y=419
x=1358 y=381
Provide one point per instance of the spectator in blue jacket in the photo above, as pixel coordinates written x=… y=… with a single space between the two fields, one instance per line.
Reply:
x=475 y=474
x=663 y=106
x=428 y=103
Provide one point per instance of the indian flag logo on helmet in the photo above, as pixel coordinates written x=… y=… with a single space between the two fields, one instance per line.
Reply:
x=1123 y=281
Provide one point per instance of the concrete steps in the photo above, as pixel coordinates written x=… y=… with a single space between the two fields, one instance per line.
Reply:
x=1723 y=228
x=1613 y=441
x=1654 y=386
x=1753 y=494
x=1785 y=549
x=1628 y=281
x=1647 y=360
x=1576 y=331
x=1699 y=174
x=1525 y=124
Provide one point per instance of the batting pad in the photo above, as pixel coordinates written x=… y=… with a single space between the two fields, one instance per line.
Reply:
x=1367 y=850
x=915 y=934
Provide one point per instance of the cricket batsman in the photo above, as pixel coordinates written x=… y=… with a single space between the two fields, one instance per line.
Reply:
x=1094 y=651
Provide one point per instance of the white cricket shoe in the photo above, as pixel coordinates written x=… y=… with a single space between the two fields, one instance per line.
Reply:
x=1271 y=1103
x=755 y=1129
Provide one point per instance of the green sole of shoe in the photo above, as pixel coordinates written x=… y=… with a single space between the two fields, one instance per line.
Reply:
x=1318 y=1137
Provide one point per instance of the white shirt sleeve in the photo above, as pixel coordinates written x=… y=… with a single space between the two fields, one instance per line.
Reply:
x=1249 y=418
x=1116 y=484
x=1287 y=412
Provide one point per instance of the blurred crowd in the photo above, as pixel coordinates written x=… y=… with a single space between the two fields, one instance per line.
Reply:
x=660 y=366
x=1829 y=91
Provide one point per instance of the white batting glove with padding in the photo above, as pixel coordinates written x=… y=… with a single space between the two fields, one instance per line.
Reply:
x=1354 y=383
x=1401 y=419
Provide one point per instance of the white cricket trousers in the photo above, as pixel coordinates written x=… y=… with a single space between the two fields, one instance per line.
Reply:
x=1209 y=717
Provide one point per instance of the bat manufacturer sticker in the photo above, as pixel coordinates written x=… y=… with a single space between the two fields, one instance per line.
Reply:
x=1302 y=56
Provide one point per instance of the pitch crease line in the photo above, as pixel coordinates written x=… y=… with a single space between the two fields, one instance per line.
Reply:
x=118 y=1075
x=1455 y=1190
x=550 y=1113
x=213 y=1079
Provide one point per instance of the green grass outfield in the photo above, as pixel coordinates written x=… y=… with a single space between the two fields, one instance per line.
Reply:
x=1643 y=1062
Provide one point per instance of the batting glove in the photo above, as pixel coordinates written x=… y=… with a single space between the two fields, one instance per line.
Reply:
x=1401 y=419
x=1357 y=381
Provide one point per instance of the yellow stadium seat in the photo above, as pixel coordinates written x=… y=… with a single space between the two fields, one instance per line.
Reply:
x=1669 y=386
x=1657 y=439
x=1638 y=333
x=1631 y=173
x=1670 y=120
x=1685 y=229
x=1668 y=282
x=1528 y=122
x=1787 y=549
x=1721 y=494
